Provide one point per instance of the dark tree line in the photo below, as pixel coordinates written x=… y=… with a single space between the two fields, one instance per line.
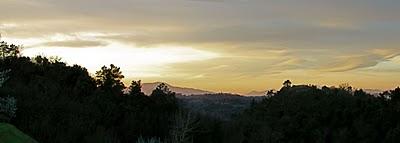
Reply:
x=57 y=103
x=60 y=103
x=305 y=113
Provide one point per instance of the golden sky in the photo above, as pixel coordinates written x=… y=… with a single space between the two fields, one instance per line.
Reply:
x=217 y=45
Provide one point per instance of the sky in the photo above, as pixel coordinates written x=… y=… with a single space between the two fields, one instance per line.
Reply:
x=218 y=45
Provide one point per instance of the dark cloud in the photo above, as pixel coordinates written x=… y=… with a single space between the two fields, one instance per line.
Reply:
x=306 y=24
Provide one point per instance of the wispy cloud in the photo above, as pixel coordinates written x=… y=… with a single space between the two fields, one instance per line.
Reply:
x=74 y=43
x=255 y=41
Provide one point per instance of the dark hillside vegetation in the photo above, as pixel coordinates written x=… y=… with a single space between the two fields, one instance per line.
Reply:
x=309 y=114
x=60 y=103
x=222 y=106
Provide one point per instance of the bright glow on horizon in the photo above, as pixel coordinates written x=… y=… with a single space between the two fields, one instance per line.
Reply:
x=134 y=61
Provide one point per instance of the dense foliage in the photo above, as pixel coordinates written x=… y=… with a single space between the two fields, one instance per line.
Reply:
x=60 y=103
x=309 y=114
x=222 y=106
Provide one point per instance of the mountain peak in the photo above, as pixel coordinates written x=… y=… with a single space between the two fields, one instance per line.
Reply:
x=147 y=88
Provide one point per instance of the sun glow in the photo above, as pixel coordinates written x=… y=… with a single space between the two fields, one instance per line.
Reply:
x=135 y=61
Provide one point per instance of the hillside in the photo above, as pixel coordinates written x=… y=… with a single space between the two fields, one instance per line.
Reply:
x=147 y=88
x=256 y=93
x=10 y=134
x=219 y=105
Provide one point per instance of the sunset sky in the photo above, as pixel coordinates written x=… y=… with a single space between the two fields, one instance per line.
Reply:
x=218 y=45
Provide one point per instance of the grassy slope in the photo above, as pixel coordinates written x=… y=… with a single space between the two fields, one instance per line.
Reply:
x=10 y=134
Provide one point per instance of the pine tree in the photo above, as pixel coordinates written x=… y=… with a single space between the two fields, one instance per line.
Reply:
x=110 y=79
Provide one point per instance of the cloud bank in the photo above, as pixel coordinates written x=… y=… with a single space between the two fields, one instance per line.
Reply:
x=262 y=42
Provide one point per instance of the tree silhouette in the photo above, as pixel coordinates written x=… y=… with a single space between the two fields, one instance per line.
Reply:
x=164 y=97
x=395 y=95
x=287 y=83
x=185 y=124
x=161 y=90
x=7 y=50
x=110 y=79
x=135 y=89
x=346 y=87
x=360 y=92
x=270 y=93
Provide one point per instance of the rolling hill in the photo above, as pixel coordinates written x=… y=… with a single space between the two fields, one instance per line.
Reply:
x=147 y=88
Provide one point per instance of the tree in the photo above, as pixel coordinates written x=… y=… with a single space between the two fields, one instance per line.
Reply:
x=135 y=99
x=185 y=124
x=9 y=50
x=163 y=108
x=287 y=83
x=135 y=88
x=110 y=79
x=346 y=87
x=395 y=95
x=161 y=89
x=163 y=96
x=270 y=93
x=360 y=92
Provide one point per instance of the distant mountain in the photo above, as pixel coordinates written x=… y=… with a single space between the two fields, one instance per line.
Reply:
x=147 y=88
x=256 y=93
